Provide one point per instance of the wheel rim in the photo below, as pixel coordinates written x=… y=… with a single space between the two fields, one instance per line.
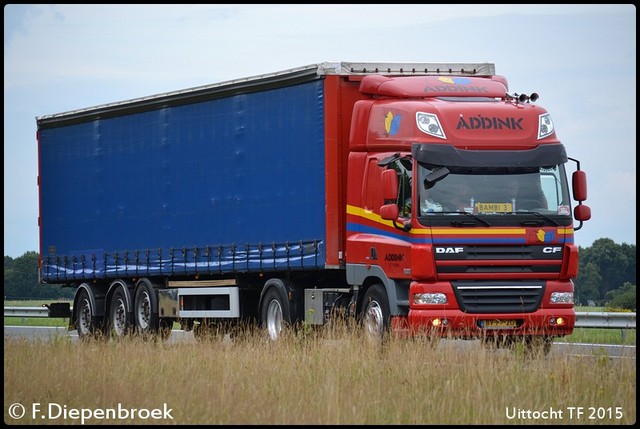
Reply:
x=373 y=320
x=84 y=318
x=119 y=319
x=274 y=319
x=144 y=312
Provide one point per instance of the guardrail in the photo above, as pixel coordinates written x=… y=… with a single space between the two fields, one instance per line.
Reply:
x=605 y=320
x=56 y=310
x=583 y=319
x=26 y=312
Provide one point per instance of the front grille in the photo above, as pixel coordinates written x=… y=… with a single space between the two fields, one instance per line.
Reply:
x=498 y=297
x=478 y=259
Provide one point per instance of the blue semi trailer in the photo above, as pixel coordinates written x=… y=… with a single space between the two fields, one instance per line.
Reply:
x=175 y=207
x=279 y=198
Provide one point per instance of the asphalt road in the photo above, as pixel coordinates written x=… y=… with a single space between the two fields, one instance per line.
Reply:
x=179 y=336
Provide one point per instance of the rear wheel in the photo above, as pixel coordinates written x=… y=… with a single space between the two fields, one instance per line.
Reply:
x=145 y=310
x=274 y=313
x=87 y=324
x=375 y=313
x=120 y=323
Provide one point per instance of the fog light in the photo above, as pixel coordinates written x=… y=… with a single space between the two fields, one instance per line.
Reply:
x=557 y=321
x=436 y=322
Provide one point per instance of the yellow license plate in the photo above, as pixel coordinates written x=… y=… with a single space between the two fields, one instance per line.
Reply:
x=494 y=207
x=499 y=324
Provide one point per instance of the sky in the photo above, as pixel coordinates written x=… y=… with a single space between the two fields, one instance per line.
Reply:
x=580 y=59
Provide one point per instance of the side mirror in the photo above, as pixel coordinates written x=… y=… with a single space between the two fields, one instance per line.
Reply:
x=390 y=185
x=389 y=212
x=579 y=183
x=582 y=212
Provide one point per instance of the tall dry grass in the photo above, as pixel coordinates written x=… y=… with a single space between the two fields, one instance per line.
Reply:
x=332 y=377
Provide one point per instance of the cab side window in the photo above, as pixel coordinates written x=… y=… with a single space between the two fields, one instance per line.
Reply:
x=403 y=169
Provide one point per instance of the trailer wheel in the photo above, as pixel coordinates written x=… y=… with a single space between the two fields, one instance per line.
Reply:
x=120 y=323
x=275 y=313
x=145 y=310
x=88 y=326
x=375 y=313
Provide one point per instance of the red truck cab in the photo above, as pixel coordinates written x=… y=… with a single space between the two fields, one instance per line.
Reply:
x=458 y=191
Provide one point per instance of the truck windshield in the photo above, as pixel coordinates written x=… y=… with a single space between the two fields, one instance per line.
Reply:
x=495 y=191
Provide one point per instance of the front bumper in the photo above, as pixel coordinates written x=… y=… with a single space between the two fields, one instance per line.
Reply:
x=457 y=324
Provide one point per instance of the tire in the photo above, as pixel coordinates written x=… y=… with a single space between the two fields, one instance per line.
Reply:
x=120 y=320
x=145 y=310
x=88 y=326
x=275 y=314
x=376 y=315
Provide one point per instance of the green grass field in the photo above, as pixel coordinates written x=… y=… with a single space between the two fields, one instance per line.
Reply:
x=580 y=335
x=336 y=378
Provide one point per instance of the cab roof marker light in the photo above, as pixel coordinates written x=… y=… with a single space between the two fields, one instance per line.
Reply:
x=545 y=126
x=428 y=123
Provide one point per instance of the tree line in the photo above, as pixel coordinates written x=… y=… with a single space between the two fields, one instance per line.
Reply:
x=21 y=280
x=606 y=277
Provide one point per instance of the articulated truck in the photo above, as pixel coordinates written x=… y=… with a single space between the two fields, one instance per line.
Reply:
x=419 y=199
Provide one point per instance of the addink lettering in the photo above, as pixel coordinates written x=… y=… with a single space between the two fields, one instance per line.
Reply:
x=490 y=123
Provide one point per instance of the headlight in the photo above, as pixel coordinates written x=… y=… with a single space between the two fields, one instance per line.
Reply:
x=562 y=297
x=545 y=126
x=429 y=298
x=428 y=123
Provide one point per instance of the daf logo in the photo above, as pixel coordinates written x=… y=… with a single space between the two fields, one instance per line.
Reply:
x=551 y=249
x=449 y=249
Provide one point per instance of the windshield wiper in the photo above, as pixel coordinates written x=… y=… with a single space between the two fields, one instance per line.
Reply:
x=465 y=222
x=547 y=218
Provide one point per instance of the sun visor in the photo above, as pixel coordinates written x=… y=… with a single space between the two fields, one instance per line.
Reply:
x=436 y=155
